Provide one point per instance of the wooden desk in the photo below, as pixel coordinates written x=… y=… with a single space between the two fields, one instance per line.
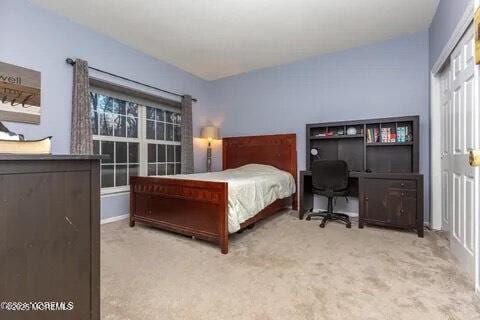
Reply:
x=386 y=199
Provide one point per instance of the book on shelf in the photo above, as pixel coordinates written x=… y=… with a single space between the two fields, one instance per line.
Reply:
x=384 y=135
x=400 y=134
x=373 y=135
x=404 y=134
x=388 y=135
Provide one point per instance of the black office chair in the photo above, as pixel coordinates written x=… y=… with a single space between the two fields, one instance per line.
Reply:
x=330 y=179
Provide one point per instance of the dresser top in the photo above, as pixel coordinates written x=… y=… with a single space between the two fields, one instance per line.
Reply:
x=20 y=157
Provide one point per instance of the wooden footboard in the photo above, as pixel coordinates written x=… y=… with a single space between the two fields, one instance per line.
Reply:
x=190 y=207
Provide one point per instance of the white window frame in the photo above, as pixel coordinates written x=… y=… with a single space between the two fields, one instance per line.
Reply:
x=142 y=133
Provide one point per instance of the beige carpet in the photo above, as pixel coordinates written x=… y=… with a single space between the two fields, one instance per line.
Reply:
x=284 y=268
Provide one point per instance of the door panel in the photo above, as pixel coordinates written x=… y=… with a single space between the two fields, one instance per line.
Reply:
x=467 y=114
x=445 y=202
x=457 y=120
x=393 y=206
x=392 y=201
x=402 y=206
x=446 y=136
x=457 y=207
x=457 y=66
x=375 y=206
x=469 y=187
x=459 y=179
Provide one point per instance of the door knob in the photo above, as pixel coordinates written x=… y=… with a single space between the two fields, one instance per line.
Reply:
x=474 y=158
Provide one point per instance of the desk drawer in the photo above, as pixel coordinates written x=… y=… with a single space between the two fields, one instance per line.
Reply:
x=403 y=184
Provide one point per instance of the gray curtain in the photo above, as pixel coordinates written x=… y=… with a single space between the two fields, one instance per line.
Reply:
x=81 y=132
x=187 y=135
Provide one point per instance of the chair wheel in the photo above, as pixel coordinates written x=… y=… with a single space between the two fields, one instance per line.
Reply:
x=308 y=218
x=322 y=225
x=349 y=225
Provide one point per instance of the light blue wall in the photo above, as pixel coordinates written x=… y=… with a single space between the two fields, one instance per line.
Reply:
x=384 y=79
x=380 y=80
x=448 y=14
x=36 y=38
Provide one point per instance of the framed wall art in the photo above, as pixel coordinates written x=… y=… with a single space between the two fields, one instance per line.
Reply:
x=20 y=94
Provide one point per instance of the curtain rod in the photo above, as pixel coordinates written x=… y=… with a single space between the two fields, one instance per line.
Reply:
x=71 y=62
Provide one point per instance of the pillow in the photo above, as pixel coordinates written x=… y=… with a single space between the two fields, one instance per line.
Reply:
x=42 y=146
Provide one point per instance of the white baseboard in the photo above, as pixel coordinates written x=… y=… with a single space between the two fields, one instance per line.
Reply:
x=113 y=219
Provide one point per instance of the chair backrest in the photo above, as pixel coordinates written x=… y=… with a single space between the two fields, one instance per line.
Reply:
x=330 y=175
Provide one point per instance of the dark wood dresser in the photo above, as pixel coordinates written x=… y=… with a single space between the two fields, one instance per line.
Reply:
x=50 y=237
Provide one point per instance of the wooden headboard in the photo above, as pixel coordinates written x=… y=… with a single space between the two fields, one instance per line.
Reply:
x=279 y=150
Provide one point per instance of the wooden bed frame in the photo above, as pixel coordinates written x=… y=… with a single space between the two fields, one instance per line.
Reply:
x=200 y=208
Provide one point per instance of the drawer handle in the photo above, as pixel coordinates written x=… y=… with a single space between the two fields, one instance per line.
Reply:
x=402 y=211
x=402 y=184
x=403 y=194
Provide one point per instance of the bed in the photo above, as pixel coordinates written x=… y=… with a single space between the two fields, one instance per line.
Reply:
x=198 y=205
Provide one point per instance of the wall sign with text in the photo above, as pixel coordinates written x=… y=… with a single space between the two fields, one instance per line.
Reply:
x=19 y=94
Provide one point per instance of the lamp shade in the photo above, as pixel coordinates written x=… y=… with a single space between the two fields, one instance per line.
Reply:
x=210 y=132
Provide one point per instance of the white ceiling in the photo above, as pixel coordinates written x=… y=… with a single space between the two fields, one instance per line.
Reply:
x=218 y=38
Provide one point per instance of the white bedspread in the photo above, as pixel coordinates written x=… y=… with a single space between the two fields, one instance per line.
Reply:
x=251 y=188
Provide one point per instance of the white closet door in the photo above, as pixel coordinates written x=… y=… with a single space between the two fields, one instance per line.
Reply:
x=462 y=179
x=446 y=144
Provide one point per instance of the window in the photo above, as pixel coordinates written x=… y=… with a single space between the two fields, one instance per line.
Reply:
x=163 y=140
x=139 y=136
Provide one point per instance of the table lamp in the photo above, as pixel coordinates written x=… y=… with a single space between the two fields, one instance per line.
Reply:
x=210 y=133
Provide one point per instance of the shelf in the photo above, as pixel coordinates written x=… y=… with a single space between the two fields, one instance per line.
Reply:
x=337 y=137
x=383 y=144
